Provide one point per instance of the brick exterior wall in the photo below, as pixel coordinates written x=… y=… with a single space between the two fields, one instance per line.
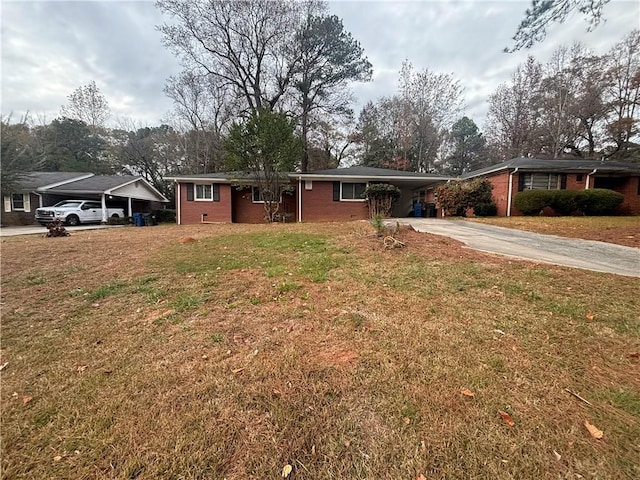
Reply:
x=245 y=211
x=628 y=187
x=191 y=210
x=21 y=218
x=631 y=191
x=318 y=205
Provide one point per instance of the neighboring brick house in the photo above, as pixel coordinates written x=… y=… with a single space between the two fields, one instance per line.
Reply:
x=319 y=196
x=513 y=176
x=43 y=189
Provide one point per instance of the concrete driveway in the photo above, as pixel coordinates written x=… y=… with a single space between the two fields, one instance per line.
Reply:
x=40 y=230
x=569 y=252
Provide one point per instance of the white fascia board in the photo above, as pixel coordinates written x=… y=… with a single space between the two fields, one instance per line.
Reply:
x=366 y=178
x=64 y=182
x=143 y=180
x=198 y=180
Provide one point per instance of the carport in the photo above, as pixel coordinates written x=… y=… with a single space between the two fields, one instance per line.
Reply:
x=127 y=192
x=43 y=189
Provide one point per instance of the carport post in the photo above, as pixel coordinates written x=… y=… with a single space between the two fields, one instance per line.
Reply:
x=104 y=208
x=129 y=206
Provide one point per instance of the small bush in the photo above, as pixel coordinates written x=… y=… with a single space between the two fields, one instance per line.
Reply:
x=531 y=202
x=600 y=201
x=485 y=210
x=596 y=201
x=165 y=216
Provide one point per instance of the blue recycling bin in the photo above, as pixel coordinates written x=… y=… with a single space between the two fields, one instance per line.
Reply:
x=417 y=209
x=138 y=219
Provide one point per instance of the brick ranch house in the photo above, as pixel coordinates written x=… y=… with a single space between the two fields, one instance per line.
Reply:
x=319 y=196
x=43 y=189
x=513 y=176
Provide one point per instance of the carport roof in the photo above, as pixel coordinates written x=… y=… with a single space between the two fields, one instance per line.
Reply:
x=562 y=165
x=96 y=184
x=43 y=180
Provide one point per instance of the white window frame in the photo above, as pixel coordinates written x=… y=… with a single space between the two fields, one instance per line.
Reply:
x=253 y=198
x=26 y=204
x=530 y=180
x=342 y=199
x=202 y=199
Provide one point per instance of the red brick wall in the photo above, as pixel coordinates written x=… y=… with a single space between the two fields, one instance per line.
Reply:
x=630 y=190
x=191 y=211
x=318 y=205
x=20 y=218
x=244 y=210
x=500 y=182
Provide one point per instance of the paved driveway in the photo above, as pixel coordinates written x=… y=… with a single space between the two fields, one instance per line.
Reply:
x=40 y=230
x=570 y=252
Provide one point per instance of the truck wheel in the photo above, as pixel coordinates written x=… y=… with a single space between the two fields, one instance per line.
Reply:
x=73 y=220
x=115 y=215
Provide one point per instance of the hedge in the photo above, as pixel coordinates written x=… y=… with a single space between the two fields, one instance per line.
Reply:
x=596 y=201
x=485 y=210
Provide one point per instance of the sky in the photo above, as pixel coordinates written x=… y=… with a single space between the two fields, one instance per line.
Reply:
x=50 y=48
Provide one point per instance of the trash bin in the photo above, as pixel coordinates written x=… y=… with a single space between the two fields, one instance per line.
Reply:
x=149 y=219
x=417 y=209
x=138 y=219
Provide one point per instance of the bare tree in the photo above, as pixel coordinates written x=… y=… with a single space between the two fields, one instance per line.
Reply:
x=88 y=105
x=241 y=43
x=511 y=119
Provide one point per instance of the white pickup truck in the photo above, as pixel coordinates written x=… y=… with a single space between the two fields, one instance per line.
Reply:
x=75 y=212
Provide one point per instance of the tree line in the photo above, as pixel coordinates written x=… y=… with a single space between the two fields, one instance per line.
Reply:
x=257 y=66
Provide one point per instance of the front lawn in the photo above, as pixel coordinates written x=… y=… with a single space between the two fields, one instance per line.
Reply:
x=210 y=352
x=619 y=230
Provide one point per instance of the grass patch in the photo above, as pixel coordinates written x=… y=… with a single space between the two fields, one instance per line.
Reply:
x=311 y=345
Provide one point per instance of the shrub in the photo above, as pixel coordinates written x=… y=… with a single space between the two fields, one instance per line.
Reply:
x=381 y=197
x=597 y=201
x=165 y=215
x=485 y=210
x=600 y=201
x=457 y=196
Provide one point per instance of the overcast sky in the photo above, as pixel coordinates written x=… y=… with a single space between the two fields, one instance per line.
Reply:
x=50 y=48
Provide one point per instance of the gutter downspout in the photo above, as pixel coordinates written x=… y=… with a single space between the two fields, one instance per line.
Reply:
x=510 y=195
x=299 y=199
x=586 y=184
x=178 y=193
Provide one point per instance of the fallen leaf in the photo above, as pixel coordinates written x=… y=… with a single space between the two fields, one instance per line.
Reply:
x=57 y=458
x=81 y=368
x=26 y=400
x=347 y=443
x=631 y=355
x=313 y=450
x=497 y=330
x=507 y=418
x=406 y=420
x=467 y=393
x=3 y=366
x=423 y=446
x=286 y=470
x=593 y=430
x=557 y=455
x=421 y=477
x=590 y=316
x=237 y=370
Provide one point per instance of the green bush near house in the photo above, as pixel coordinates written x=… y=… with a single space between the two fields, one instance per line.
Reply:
x=485 y=210
x=596 y=201
x=165 y=215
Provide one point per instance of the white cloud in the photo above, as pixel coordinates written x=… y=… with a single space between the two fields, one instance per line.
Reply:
x=51 y=48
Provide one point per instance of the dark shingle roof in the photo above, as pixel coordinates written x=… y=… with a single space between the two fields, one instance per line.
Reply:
x=34 y=180
x=95 y=184
x=563 y=165
x=360 y=171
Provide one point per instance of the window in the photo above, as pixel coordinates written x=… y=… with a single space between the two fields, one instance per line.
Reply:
x=207 y=192
x=353 y=191
x=579 y=177
x=541 y=181
x=17 y=202
x=257 y=197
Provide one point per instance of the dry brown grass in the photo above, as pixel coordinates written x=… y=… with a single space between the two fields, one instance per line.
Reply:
x=254 y=347
x=618 y=230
